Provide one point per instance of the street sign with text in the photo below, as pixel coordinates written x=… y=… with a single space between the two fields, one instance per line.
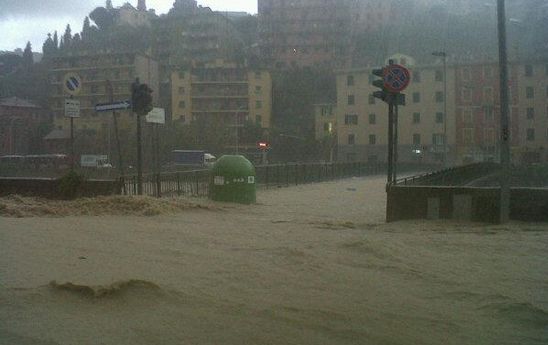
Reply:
x=72 y=107
x=121 y=105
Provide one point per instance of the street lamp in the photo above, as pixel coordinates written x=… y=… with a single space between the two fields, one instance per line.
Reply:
x=443 y=55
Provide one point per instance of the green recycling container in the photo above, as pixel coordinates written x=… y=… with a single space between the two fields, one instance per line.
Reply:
x=232 y=179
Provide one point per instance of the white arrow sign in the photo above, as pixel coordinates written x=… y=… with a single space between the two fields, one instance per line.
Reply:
x=113 y=106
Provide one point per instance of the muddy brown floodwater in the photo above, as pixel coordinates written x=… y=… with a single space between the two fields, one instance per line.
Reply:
x=311 y=264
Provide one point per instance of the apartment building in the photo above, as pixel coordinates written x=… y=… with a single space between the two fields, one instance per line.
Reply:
x=95 y=69
x=222 y=92
x=423 y=125
x=316 y=32
x=478 y=111
x=532 y=111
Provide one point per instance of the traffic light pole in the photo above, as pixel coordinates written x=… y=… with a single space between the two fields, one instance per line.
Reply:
x=390 y=167
x=139 y=157
x=395 y=153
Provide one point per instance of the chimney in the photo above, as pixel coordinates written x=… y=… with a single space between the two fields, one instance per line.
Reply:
x=142 y=5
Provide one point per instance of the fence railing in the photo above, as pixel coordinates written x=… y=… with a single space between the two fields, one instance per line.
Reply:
x=454 y=176
x=196 y=182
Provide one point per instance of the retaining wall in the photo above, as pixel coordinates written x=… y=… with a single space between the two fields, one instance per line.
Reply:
x=463 y=203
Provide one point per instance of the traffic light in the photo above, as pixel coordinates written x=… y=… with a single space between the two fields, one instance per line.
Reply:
x=141 y=98
x=382 y=94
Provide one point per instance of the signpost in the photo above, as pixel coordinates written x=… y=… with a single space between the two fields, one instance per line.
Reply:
x=264 y=146
x=72 y=108
x=395 y=78
x=72 y=84
x=156 y=117
x=120 y=105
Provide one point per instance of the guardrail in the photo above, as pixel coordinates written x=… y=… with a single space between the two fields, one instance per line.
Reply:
x=455 y=176
x=196 y=182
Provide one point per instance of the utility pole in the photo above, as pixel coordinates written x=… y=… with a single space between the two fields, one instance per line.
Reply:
x=116 y=134
x=504 y=121
x=135 y=87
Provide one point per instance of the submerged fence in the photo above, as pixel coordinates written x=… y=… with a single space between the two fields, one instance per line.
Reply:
x=196 y=182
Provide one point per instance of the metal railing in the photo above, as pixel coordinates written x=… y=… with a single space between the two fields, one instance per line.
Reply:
x=196 y=182
x=455 y=176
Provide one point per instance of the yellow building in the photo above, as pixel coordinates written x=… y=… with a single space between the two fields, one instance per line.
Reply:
x=94 y=70
x=363 y=120
x=222 y=92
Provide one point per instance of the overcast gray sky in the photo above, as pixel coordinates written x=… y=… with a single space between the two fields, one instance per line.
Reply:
x=31 y=20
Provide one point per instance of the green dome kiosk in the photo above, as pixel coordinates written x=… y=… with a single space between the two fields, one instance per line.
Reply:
x=232 y=179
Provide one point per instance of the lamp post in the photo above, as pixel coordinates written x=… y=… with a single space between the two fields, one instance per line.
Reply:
x=443 y=55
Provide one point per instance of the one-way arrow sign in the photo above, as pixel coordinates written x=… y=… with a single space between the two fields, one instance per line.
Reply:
x=113 y=106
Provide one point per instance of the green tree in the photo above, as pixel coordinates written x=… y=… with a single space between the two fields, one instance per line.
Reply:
x=28 y=58
x=67 y=37
x=103 y=18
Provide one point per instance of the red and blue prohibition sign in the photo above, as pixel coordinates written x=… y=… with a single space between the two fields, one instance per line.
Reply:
x=396 y=78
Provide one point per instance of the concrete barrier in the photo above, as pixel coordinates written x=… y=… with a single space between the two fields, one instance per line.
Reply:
x=406 y=202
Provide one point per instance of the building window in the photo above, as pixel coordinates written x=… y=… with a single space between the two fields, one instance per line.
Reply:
x=181 y=90
x=438 y=139
x=258 y=90
x=258 y=104
x=468 y=136
x=528 y=70
x=416 y=77
x=416 y=139
x=439 y=75
x=466 y=94
x=439 y=117
x=467 y=116
x=530 y=113
x=416 y=117
x=371 y=99
x=182 y=104
x=372 y=119
x=439 y=97
x=351 y=100
x=489 y=136
x=350 y=80
x=351 y=139
x=372 y=139
x=529 y=92
x=181 y=75
x=487 y=72
x=416 y=97
x=488 y=94
x=257 y=75
x=94 y=89
x=259 y=120
x=530 y=134
x=350 y=119
x=466 y=74
x=489 y=113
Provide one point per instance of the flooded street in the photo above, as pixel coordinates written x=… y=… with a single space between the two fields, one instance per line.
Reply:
x=313 y=264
